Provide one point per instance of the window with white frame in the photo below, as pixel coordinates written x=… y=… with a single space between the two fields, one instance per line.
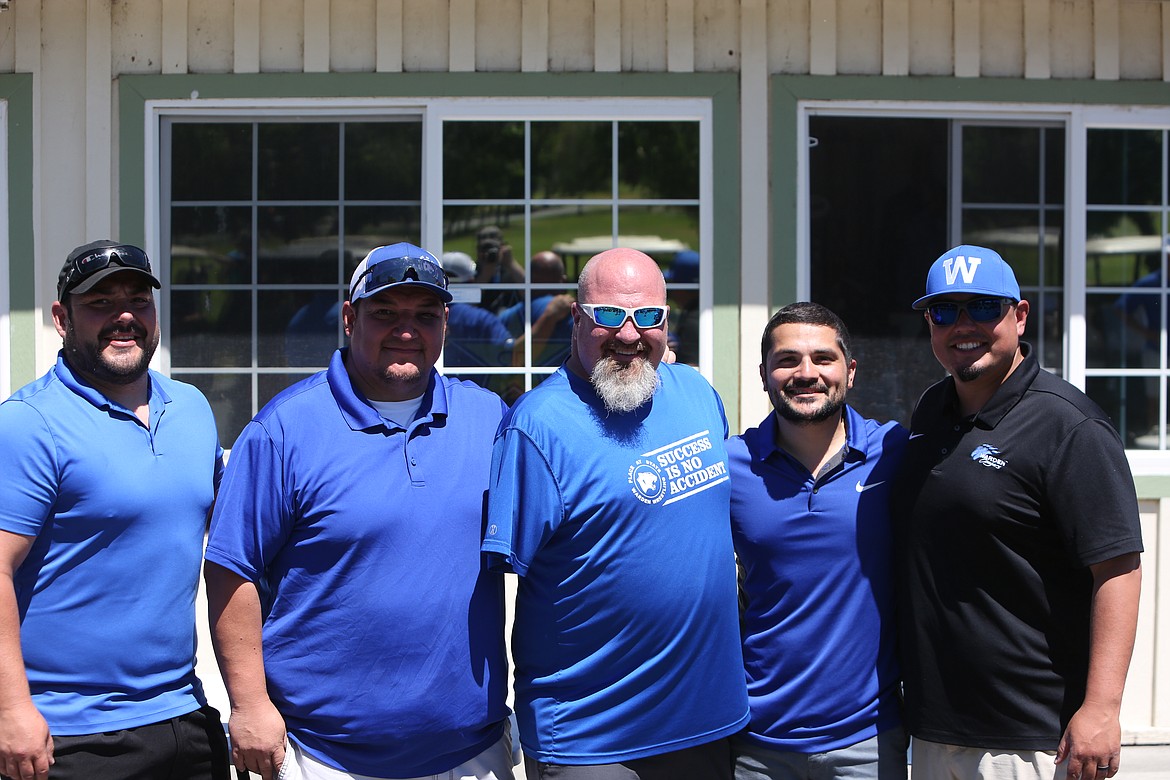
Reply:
x=264 y=215
x=1076 y=201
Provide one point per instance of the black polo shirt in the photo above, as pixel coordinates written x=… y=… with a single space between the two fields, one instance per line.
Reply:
x=998 y=517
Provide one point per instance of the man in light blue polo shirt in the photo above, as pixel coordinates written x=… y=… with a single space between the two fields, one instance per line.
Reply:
x=347 y=601
x=810 y=491
x=109 y=470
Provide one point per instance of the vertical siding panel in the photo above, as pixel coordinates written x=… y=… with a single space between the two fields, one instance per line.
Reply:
x=425 y=44
x=1140 y=52
x=247 y=36
x=931 y=51
x=1137 y=703
x=282 y=36
x=8 y=42
x=174 y=36
x=1037 y=24
x=895 y=38
x=99 y=162
x=754 y=215
x=717 y=29
x=680 y=36
x=352 y=35
x=570 y=47
x=388 y=38
x=1165 y=42
x=967 y=44
x=211 y=37
x=1072 y=26
x=644 y=35
x=859 y=37
x=788 y=36
x=1001 y=28
x=823 y=38
x=534 y=36
x=315 y=33
x=1159 y=571
x=607 y=36
x=462 y=36
x=499 y=35
x=135 y=42
x=1106 y=47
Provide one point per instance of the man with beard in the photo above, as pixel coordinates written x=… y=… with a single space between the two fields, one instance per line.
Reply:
x=109 y=472
x=812 y=529
x=1020 y=548
x=609 y=497
x=357 y=633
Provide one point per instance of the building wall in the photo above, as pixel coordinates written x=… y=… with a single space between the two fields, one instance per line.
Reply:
x=62 y=63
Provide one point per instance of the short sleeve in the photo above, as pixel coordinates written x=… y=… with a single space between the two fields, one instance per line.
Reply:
x=1092 y=494
x=252 y=518
x=524 y=503
x=28 y=461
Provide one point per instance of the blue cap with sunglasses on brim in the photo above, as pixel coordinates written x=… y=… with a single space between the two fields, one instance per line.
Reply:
x=397 y=265
x=969 y=270
x=89 y=263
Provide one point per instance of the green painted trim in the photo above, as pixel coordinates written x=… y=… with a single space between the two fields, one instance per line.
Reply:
x=17 y=90
x=1152 y=487
x=722 y=88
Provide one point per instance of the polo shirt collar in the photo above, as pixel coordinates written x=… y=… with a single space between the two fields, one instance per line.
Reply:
x=1006 y=396
x=761 y=440
x=358 y=413
x=78 y=385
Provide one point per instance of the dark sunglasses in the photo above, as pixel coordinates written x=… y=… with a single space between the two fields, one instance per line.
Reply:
x=99 y=259
x=608 y=316
x=400 y=269
x=946 y=313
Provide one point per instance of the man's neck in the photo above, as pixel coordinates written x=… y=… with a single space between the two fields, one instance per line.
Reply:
x=134 y=395
x=813 y=444
x=974 y=395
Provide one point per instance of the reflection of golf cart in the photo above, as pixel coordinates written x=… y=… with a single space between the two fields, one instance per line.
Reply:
x=584 y=247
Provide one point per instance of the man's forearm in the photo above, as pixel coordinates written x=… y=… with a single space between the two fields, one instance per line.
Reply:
x=1113 y=624
x=233 y=607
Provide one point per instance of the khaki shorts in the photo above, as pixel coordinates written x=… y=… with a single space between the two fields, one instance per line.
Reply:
x=935 y=761
x=495 y=763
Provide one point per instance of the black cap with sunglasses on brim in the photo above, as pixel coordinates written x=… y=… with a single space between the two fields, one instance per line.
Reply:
x=90 y=263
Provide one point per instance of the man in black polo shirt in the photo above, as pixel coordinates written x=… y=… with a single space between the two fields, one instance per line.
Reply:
x=1019 y=537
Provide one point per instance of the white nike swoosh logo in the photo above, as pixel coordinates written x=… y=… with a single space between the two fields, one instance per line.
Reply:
x=862 y=488
x=916 y=435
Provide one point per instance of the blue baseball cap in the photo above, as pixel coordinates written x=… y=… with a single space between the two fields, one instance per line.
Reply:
x=395 y=265
x=969 y=270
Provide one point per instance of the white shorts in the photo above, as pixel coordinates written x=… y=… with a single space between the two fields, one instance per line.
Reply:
x=495 y=763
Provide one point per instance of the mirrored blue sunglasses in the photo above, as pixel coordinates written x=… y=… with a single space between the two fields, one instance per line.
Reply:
x=609 y=316
x=946 y=313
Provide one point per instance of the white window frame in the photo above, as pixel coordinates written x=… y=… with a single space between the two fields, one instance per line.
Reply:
x=434 y=111
x=6 y=261
x=1077 y=120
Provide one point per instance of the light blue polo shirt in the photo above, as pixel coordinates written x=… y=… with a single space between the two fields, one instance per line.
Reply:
x=106 y=595
x=383 y=640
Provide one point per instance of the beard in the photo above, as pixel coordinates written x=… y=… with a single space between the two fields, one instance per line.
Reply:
x=830 y=407
x=87 y=357
x=624 y=387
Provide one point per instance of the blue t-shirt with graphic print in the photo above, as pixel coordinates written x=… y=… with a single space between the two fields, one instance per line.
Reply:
x=627 y=639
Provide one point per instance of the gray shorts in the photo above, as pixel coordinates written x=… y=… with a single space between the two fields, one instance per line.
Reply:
x=710 y=761
x=882 y=757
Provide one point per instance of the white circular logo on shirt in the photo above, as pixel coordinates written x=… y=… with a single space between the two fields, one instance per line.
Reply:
x=646 y=480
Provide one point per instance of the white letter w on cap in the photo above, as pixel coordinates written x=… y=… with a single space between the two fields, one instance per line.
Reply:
x=959 y=265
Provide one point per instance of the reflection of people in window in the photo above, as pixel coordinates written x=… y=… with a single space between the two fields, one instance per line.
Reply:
x=495 y=264
x=684 y=307
x=1142 y=313
x=550 y=312
x=475 y=336
x=313 y=331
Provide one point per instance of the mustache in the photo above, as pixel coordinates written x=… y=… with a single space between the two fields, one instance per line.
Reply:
x=123 y=330
x=819 y=387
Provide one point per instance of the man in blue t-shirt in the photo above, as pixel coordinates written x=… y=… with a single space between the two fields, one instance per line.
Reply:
x=109 y=470
x=357 y=634
x=609 y=497
x=811 y=522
